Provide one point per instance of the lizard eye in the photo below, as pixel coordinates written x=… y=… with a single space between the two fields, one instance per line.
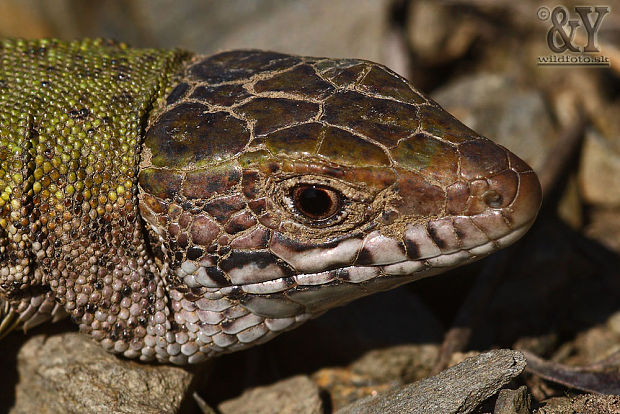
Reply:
x=316 y=202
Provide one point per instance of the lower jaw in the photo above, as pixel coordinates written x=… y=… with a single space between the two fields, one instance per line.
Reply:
x=400 y=273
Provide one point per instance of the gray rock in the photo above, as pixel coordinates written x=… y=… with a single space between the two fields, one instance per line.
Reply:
x=69 y=373
x=586 y=403
x=599 y=176
x=296 y=395
x=459 y=389
x=513 y=401
x=403 y=363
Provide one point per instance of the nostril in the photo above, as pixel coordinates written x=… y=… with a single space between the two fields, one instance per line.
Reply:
x=492 y=199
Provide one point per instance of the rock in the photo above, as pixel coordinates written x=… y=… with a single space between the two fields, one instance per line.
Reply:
x=405 y=363
x=298 y=395
x=345 y=387
x=513 y=401
x=599 y=175
x=69 y=373
x=588 y=403
x=437 y=34
x=376 y=371
x=459 y=389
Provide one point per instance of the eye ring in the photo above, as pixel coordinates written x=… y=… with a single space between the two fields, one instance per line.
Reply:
x=316 y=202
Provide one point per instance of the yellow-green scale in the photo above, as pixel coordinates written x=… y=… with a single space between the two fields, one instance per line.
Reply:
x=71 y=119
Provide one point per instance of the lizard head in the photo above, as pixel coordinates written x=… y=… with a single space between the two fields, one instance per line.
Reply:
x=275 y=187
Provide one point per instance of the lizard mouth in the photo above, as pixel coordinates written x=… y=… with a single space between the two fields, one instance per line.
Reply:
x=405 y=270
x=308 y=295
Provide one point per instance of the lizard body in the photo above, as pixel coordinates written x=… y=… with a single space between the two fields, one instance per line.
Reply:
x=180 y=206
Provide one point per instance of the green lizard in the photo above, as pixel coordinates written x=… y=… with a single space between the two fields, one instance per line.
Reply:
x=179 y=206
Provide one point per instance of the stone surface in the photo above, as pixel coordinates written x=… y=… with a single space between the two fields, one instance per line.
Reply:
x=376 y=371
x=513 y=401
x=296 y=395
x=405 y=363
x=459 y=389
x=69 y=373
x=589 y=403
x=599 y=176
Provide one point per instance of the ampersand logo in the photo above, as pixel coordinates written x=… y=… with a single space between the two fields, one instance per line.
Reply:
x=561 y=35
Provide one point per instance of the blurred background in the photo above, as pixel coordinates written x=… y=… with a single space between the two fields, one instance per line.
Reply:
x=559 y=293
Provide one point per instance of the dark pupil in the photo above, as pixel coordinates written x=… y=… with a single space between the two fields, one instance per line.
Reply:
x=314 y=202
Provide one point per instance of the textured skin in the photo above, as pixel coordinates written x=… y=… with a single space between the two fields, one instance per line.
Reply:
x=229 y=256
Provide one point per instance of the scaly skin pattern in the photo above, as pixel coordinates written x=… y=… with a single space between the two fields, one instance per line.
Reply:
x=182 y=207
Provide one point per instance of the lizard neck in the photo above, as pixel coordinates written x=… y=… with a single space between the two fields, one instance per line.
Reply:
x=72 y=117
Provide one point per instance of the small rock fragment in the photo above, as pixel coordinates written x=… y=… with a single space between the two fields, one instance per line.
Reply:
x=70 y=373
x=459 y=389
x=587 y=403
x=296 y=395
x=406 y=363
x=513 y=401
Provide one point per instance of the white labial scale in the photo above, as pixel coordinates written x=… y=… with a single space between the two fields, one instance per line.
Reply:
x=382 y=249
x=312 y=279
x=404 y=268
x=418 y=235
x=252 y=273
x=304 y=317
x=509 y=239
x=484 y=249
x=318 y=259
x=444 y=231
x=492 y=223
x=270 y=286
x=471 y=236
x=358 y=274
x=449 y=260
x=279 y=324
